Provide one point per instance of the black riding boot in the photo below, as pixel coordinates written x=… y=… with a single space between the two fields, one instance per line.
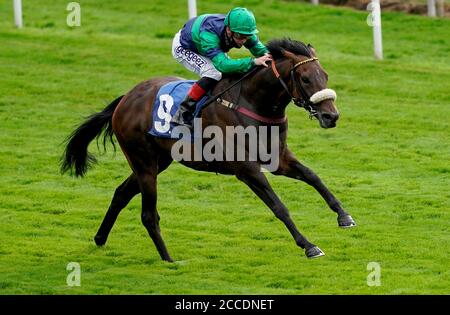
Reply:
x=185 y=112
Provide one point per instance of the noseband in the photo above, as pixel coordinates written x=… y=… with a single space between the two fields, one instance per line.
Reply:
x=303 y=100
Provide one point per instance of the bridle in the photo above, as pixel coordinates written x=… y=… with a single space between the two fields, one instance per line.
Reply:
x=308 y=103
x=302 y=100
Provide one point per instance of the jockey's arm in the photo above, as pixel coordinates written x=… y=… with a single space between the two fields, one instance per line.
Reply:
x=254 y=45
x=225 y=64
x=210 y=47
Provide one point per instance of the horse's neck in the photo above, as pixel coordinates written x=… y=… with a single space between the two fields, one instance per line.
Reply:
x=261 y=93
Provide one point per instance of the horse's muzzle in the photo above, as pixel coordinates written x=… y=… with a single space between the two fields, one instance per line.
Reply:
x=328 y=119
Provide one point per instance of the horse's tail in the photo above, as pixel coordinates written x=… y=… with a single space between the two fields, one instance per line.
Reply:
x=76 y=157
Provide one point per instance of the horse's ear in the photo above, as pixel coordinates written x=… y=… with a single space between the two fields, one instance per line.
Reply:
x=311 y=48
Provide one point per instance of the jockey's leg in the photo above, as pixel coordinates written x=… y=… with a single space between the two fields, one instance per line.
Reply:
x=201 y=65
x=185 y=112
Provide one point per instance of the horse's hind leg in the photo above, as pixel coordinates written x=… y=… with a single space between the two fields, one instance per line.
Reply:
x=144 y=161
x=122 y=196
x=291 y=167
x=150 y=217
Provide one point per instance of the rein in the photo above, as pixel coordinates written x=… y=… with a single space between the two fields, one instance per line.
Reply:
x=217 y=96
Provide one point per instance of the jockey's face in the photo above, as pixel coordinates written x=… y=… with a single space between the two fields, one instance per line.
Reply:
x=238 y=39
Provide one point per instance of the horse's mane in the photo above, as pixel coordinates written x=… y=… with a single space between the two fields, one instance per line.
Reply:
x=276 y=47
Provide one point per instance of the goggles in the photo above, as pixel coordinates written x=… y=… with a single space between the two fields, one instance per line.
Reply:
x=241 y=36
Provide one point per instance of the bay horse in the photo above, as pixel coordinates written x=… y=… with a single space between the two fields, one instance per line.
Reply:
x=260 y=100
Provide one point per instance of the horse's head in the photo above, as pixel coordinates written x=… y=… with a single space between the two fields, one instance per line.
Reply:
x=308 y=80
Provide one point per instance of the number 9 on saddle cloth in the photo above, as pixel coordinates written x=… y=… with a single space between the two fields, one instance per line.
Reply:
x=167 y=101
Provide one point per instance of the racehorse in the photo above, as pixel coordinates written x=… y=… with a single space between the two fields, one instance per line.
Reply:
x=260 y=99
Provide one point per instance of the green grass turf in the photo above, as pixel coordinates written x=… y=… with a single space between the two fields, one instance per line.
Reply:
x=387 y=161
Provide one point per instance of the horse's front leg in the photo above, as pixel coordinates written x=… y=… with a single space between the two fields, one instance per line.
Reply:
x=261 y=187
x=289 y=166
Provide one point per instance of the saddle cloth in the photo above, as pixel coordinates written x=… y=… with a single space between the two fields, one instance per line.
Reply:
x=167 y=102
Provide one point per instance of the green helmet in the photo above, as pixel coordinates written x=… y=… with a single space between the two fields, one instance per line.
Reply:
x=242 y=21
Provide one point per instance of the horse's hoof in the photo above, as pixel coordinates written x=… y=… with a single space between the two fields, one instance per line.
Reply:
x=314 y=252
x=346 y=221
x=99 y=241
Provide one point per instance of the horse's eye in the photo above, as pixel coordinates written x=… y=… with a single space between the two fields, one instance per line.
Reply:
x=305 y=80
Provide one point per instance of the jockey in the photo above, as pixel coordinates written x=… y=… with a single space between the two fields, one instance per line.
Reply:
x=202 y=45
